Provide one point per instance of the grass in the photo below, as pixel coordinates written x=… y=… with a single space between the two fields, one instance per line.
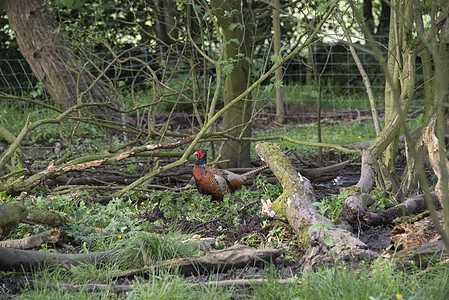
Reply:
x=380 y=280
x=335 y=132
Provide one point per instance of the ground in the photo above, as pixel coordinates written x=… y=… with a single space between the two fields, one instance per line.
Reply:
x=255 y=230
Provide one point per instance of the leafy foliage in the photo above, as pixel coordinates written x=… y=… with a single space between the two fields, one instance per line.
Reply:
x=192 y=206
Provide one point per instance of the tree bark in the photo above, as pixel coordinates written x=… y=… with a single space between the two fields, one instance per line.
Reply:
x=52 y=61
x=236 y=120
x=412 y=206
x=401 y=65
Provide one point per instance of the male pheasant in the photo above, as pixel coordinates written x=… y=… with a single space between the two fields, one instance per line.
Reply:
x=218 y=182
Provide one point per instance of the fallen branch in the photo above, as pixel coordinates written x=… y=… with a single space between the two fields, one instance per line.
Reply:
x=237 y=256
x=50 y=236
x=15 y=259
x=208 y=222
x=411 y=206
x=54 y=170
x=318 y=172
x=422 y=254
x=13 y=213
x=247 y=204
x=246 y=282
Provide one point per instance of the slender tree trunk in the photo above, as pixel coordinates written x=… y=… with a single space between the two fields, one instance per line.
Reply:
x=53 y=63
x=277 y=52
x=390 y=109
x=401 y=63
x=236 y=119
x=310 y=59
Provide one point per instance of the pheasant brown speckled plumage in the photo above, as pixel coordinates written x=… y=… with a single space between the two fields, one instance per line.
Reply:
x=218 y=182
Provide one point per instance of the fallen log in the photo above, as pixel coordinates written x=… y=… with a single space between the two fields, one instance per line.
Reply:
x=15 y=259
x=13 y=213
x=295 y=204
x=237 y=256
x=411 y=206
x=422 y=255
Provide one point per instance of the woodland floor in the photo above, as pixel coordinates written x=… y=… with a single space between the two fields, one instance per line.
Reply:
x=377 y=238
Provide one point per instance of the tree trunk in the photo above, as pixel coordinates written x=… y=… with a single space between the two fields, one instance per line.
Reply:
x=277 y=52
x=401 y=64
x=53 y=63
x=236 y=120
x=393 y=68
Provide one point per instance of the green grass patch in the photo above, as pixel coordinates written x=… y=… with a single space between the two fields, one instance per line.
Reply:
x=334 y=132
x=379 y=280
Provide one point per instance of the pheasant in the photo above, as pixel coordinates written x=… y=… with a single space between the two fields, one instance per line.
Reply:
x=218 y=182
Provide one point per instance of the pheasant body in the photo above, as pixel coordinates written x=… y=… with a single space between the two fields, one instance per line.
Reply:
x=218 y=182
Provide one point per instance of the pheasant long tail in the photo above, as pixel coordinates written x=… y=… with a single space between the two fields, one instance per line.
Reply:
x=253 y=172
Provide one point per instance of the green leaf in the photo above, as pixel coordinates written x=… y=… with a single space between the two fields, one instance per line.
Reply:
x=312 y=227
x=268 y=88
x=275 y=58
x=196 y=8
x=229 y=13
x=278 y=84
x=206 y=15
x=233 y=26
x=328 y=241
x=228 y=68
x=236 y=41
x=318 y=204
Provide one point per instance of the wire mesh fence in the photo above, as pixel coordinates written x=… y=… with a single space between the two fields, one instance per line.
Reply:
x=133 y=71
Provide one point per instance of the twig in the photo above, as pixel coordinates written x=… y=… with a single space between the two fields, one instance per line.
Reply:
x=247 y=204
x=207 y=222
